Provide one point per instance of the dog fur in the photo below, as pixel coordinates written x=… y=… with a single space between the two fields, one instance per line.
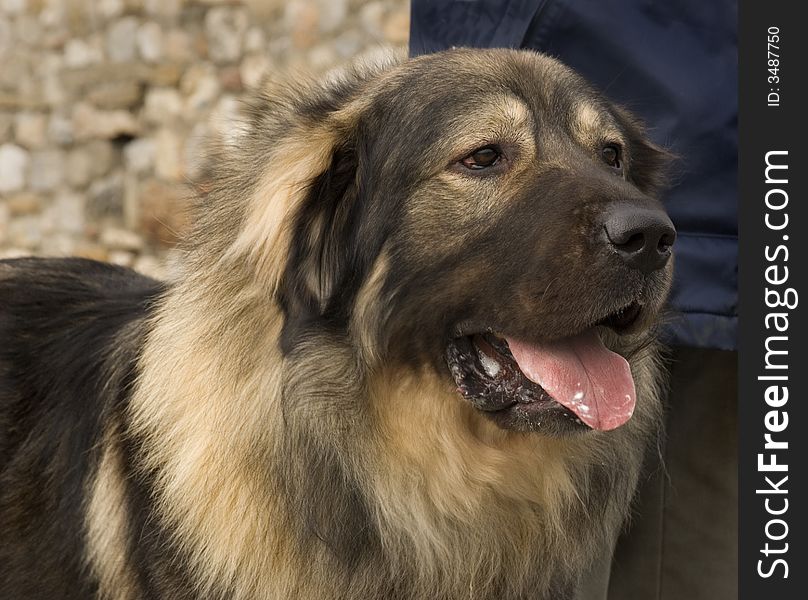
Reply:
x=278 y=420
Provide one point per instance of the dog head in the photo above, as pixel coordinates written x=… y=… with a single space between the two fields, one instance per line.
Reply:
x=483 y=213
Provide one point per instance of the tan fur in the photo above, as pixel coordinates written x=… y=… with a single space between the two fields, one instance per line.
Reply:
x=208 y=419
x=370 y=309
x=458 y=502
x=449 y=480
x=592 y=127
x=504 y=117
x=275 y=202
x=106 y=524
x=438 y=466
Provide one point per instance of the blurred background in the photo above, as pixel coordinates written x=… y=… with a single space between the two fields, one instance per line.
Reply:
x=105 y=105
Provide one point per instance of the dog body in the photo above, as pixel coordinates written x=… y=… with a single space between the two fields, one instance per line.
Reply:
x=310 y=409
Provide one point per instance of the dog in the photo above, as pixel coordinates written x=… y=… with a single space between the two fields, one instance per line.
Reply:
x=408 y=353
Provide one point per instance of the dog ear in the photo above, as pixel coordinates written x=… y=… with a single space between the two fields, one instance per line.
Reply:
x=651 y=164
x=286 y=185
x=327 y=259
x=298 y=172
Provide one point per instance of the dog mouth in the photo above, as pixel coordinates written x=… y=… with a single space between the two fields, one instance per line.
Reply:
x=560 y=386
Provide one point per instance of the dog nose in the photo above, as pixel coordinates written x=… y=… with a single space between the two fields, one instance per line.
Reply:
x=641 y=236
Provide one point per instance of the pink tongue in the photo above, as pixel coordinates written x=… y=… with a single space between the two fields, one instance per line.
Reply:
x=583 y=375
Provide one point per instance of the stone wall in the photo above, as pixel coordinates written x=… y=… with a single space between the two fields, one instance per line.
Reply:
x=104 y=106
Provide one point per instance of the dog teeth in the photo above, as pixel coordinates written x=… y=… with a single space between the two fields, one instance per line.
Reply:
x=491 y=366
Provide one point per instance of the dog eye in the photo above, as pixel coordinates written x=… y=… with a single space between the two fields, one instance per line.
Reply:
x=611 y=156
x=482 y=158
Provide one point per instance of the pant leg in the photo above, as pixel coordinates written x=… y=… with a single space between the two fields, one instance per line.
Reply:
x=595 y=583
x=682 y=544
